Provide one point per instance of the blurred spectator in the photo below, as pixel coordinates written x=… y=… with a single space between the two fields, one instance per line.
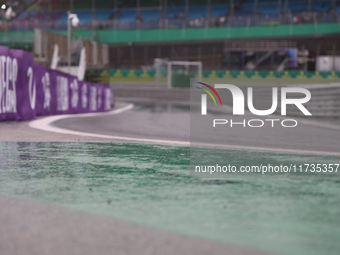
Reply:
x=222 y=21
x=297 y=19
x=139 y=19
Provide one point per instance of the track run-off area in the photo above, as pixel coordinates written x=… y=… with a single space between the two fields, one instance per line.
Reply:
x=123 y=176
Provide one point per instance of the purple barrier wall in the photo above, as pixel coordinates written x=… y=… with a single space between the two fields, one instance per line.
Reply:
x=28 y=90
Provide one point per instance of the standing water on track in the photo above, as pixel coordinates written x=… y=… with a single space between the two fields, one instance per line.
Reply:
x=151 y=185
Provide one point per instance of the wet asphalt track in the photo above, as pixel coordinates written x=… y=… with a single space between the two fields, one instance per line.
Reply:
x=35 y=228
x=171 y=121
x=167 y=121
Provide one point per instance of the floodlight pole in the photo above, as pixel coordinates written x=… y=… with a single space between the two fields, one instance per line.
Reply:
x=200 y=71
x=169 y=75
x=49 y=8
x=138 y=17
x=69 y=27
x=231 y=12
x=256 y=17
x=286 y=11
x=166 y=23
x=279 y=5
x=93 y=15
x=208 y=14
x=161 y=14
x=115 y=7
x=70 y=16
x=187 y=13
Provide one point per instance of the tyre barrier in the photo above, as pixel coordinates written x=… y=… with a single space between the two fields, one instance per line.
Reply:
x=28 y=90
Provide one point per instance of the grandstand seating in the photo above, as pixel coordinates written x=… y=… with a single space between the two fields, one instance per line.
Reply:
x=244 y=10
x=38 y=16
x=128 y=14
x=218 y=10
x=150 y=14
x=86 y=15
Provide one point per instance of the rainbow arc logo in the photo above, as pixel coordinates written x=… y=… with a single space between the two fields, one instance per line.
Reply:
x=209 y=93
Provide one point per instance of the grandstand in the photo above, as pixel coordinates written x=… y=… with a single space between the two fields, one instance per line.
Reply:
x=178 y=14
x=182 y=30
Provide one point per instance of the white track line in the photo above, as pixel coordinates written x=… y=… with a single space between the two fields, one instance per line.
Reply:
x=45 y=125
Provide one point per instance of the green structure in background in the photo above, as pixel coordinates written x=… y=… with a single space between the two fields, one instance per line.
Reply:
x=16 y=38
x=133 y=75
x=212 y=33
x=168 y=35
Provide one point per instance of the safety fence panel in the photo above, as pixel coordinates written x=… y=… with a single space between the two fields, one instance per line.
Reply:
x=28 y=90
